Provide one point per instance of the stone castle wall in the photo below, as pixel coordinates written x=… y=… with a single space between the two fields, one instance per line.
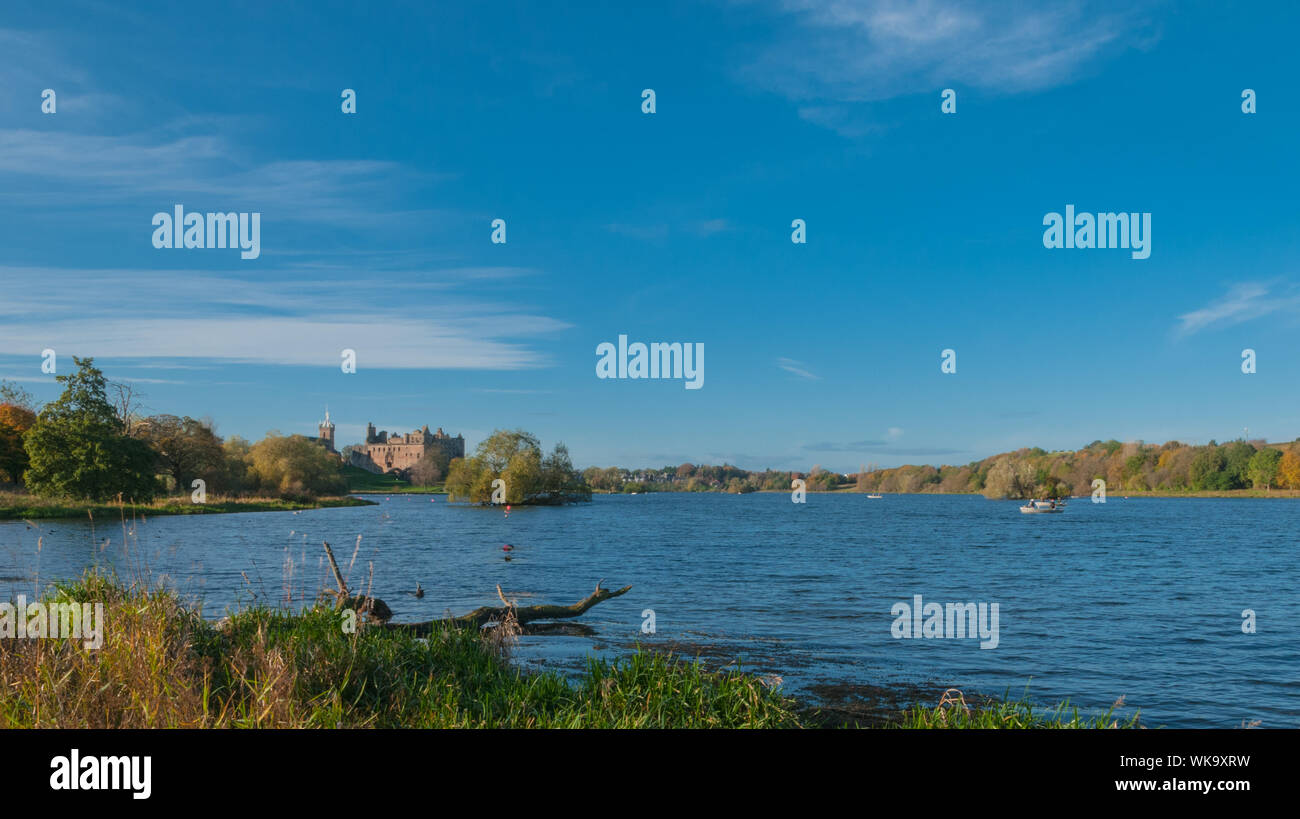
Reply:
x=397 y=453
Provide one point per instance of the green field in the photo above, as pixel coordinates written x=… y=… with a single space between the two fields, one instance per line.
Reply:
x=363 y=482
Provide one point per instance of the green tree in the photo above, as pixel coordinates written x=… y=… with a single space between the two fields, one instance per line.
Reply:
x=515 y=457
x=503 y=445
x=78 y=446
x=523 y=475
x=186 y=448
x=559 y=478
x=236 y=475
x=1236 y=464
x=1264 y=466
x=1207 y=469
x=469 y=479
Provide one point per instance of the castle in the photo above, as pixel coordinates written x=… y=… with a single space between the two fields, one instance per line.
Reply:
x=393 y=453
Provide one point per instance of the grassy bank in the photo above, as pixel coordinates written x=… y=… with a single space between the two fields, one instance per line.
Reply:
x=14 y=506
x=162 y=665
x=362 y=482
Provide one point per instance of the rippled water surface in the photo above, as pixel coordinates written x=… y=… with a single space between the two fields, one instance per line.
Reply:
x=1137 y=598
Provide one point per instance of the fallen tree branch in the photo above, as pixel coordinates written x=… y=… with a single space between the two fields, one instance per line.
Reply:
x=377 y=613
x=374 y=610
x=482 y=616
x=342 y=590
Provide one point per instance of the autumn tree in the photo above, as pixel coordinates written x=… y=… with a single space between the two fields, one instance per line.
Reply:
x=11 y=393
x=1009 y=478
x=1288 y=469
x=294 y=467
x=15 y=420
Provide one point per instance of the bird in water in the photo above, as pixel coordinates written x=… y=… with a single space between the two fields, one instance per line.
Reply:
x=419 y=592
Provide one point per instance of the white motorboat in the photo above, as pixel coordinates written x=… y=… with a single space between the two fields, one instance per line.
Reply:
x=1037 y=507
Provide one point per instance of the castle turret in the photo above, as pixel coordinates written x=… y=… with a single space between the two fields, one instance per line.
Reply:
x=327 y=431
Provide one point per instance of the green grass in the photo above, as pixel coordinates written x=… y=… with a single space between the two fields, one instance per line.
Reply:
x=953 y=712
x=162 y=665
x=363 y=482
x=19 y=506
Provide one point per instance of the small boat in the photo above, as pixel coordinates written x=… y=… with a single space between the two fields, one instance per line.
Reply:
x=874 y=497
x=1037 y=507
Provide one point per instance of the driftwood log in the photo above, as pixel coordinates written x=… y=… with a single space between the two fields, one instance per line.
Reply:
x=522 y=614
x=376 y=612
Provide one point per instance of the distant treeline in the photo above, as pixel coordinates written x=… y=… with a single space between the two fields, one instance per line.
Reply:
x=704 y=478
x=1030 y=472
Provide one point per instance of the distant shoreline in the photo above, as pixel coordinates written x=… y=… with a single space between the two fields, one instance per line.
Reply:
x=1110 y=496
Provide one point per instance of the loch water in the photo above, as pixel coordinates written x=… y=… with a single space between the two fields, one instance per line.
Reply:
x=1139 y=598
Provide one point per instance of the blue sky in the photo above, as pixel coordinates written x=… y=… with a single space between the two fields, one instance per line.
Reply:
x=924 y=229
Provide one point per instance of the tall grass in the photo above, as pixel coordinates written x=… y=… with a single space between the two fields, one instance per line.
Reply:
x=952 y=711
x=164 y=666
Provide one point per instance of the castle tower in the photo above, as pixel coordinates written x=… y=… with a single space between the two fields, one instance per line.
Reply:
x=327 y=431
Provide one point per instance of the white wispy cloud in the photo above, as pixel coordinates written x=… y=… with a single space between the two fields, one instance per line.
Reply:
x=1243 y=302
x=796 y=367
x=708 y=227
x=194 y=315
x=201 y=171
x=840 y=51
